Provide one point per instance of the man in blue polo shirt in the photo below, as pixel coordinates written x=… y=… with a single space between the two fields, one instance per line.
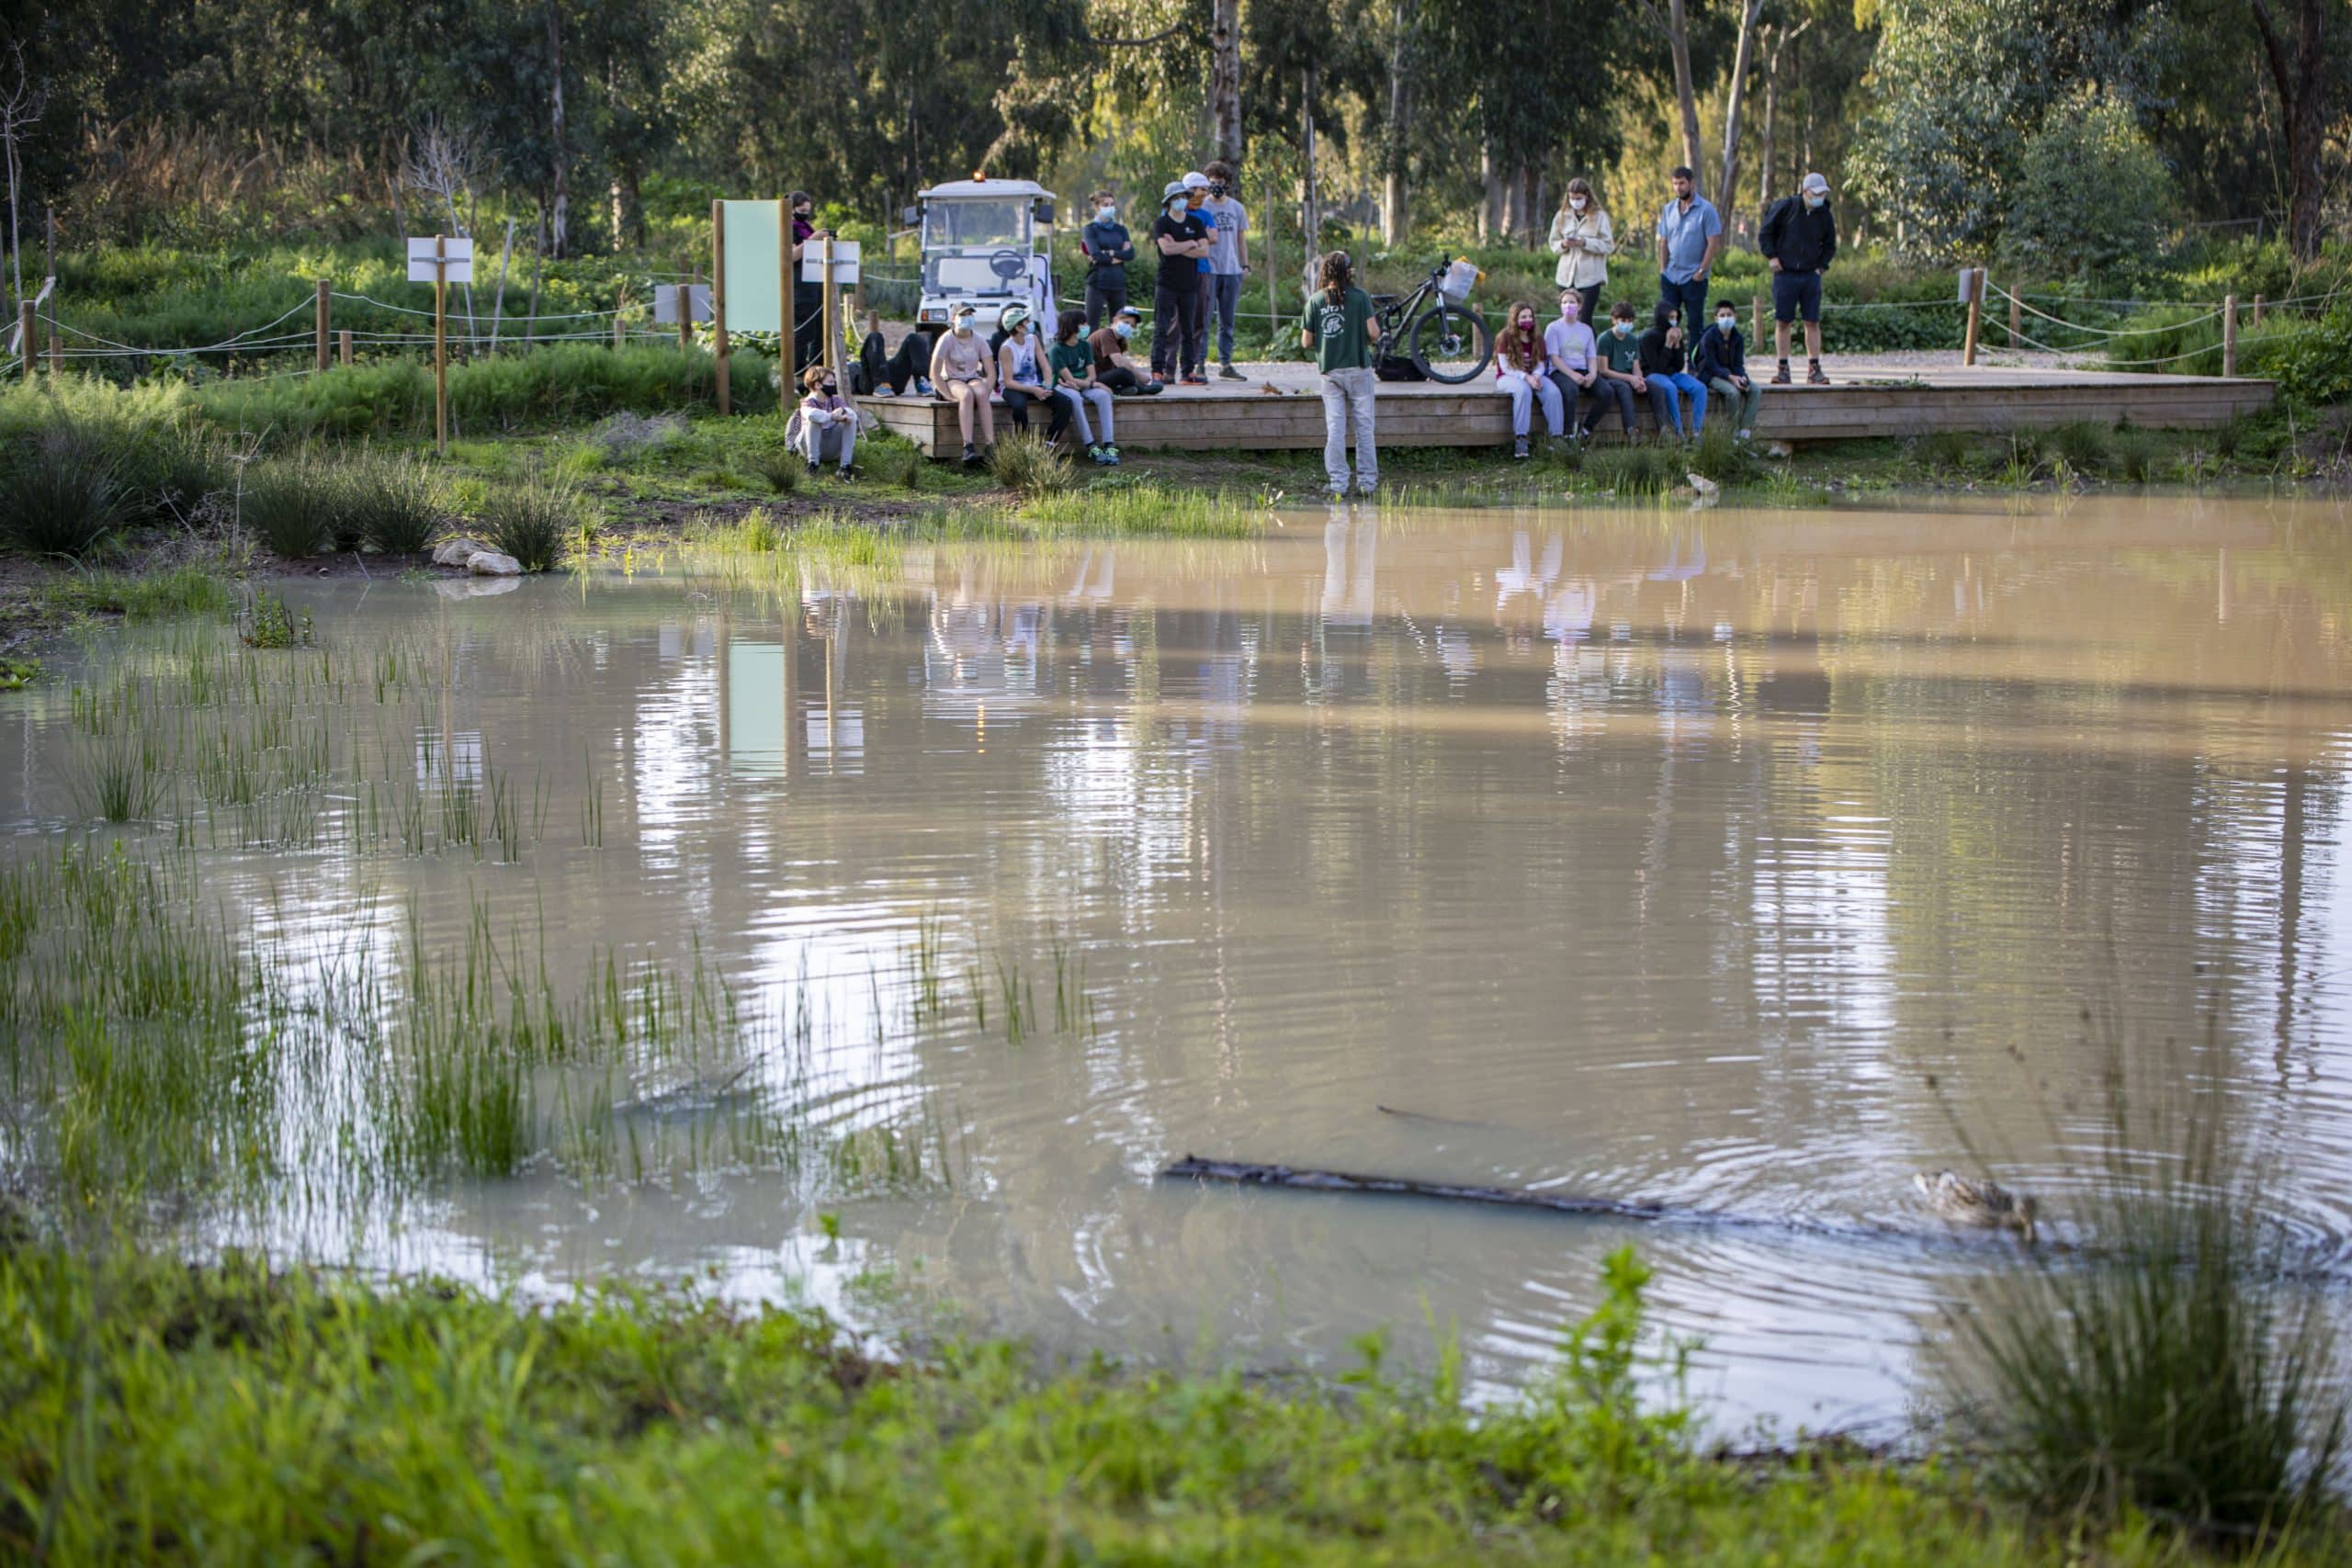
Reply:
x=1689 y=237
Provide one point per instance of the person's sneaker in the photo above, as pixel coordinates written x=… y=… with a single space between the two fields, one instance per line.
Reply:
x=845 y=473
x=1196 y=380
x=1743 y=435
x=1368 y=488
x=971 y=455
x=884 y=391
x=924 y=386
x=1814 y=375
x=1111 y=455
x=1095 y=452
x=1780 y=377
x=1228 y=373
x=1519 y=448
x=812 y=467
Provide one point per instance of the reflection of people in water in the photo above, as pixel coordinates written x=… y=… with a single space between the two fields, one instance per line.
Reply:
x=1521 y=577
x=1100 y=589
x=1347 y=595
x=1677 y=570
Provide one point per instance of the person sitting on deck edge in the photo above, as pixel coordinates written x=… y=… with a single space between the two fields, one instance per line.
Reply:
x=965 y=372
x=1524 y=373
x=1721 y=362
x=1110 y=344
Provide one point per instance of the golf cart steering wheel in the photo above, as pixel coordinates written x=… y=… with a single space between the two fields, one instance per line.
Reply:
x=1008 y=263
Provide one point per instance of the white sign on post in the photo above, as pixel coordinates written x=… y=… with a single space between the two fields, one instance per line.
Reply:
x=665 y=302
x=1966 y=274
x=457 y=255
x=812 y=261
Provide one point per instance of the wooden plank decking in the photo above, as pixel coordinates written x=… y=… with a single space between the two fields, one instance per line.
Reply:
x=1278 y=408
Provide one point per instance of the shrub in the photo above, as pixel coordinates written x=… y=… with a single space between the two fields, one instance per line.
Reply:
x=1634 y=469
x=2061 y=223
x=2311 y=362
x=781 y=468
x=2087 y=448
x=392 y=503
x=1027 y=463
x=1943 y=451
x=1723 y=459
x=289 y=504
x=2179 y=1369
x=537 y=522
x=63 y=493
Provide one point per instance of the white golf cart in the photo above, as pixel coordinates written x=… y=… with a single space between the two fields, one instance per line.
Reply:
x=986 y=245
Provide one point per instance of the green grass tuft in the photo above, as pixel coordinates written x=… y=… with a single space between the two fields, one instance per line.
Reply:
x=291 y=504
x=63 y=493
x=1027 y=463
x=538 y=522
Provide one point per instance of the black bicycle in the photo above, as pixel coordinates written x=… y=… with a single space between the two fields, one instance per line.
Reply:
x=1445 y=341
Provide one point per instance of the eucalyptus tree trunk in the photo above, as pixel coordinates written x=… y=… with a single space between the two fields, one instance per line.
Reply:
x=1393 y=194
x=560 y=187
x=1727 y=187
x=1224 y=79
x=1678 y=42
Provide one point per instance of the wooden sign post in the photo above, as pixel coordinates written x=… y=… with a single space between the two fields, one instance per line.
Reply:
x=2015 y=321
x=719 y=299
x=25 y=336
x=2230 y=335
x=441 y=261
x=1974 y=285
x=323 y=310
x=687 y=313
x=831 y=318
x=343 y=345
x=1755 y=322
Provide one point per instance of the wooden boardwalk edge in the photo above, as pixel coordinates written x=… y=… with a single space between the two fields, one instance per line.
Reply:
x=1246 y=417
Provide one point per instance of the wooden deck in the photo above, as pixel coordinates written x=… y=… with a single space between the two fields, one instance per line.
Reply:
x=1279 y=408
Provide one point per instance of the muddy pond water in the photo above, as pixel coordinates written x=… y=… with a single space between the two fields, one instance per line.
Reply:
x=1743 y=861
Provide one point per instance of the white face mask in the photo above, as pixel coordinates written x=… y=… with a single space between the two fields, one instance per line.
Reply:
x=1106 y=214
x=1577 y=202
x=1177 y=208
x=1814 y=199
x=1727 y=323
x=963 y=326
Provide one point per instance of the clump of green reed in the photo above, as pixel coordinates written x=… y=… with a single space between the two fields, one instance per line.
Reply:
x=121 y=776
x=1145 y=509
x=63 y=492
x=17 y=672
x=182 y=591
x=2085 y=447
x=2136 y=456
x=782 y=468
x=1634 y=468
x=1946 y=451
x=1719 y=456
x=538 y=522
x=390 y=501
x=2176 y=1368
x=902 y=466
x=1028 y=463
x=290 y=505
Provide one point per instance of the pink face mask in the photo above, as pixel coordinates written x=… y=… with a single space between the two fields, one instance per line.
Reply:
x=1570 y=310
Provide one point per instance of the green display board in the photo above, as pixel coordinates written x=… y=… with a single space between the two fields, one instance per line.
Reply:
x=753 y=278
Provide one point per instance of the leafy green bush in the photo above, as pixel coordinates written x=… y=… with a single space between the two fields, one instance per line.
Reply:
x=1720 y=457
x=63 y=493
x=289 y=504
x=2086 y=194
x=2085 y=447
x=2310 y=361
x=536 y=522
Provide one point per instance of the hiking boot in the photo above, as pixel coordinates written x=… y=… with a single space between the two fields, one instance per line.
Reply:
x=971 y=455
x=1814 y=375
x=1519 y=447
x=1228 y=373
x=1780 y=377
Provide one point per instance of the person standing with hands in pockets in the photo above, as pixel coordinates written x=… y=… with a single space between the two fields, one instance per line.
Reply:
x=1799 y=239
x=1581 y=237
x=1338 y=327
x=1690 y=238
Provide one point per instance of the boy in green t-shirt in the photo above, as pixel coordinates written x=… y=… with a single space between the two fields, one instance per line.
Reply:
x=1070 y=363
x=1339 y=326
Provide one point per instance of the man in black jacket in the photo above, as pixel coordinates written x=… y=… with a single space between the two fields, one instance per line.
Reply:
x=1799 y=241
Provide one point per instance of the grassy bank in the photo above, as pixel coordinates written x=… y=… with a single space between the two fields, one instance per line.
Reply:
x=158 y=1413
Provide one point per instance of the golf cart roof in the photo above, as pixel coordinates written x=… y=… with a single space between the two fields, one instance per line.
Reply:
x=952 y=189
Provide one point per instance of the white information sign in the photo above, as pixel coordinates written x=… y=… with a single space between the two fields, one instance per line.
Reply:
x=812 y=261
x=665 y=302
x=457 y=255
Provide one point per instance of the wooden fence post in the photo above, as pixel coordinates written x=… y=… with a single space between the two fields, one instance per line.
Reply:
x=2230 y=334
x=2257 y=312
x=343 y=345
x=56 y=349
x=719 y=299
x=323 y=308
x=621 y=303
x=1755 y=322
x=25 y=336
x=831 y=322
x=2015 y=321
x=687 y=312
x=1975 y=314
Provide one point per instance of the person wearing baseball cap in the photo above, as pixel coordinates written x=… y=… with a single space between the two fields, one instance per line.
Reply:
x=1799 y=239
x=1183 y=240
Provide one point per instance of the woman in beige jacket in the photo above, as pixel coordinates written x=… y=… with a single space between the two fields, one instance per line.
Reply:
x=1582 y=240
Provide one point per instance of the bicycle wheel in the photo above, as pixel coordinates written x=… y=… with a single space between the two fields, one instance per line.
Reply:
x=1450 y=343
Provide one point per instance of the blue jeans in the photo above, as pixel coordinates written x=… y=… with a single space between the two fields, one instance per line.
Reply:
x=1225 y=302
x=1694 y=399
x=1690 y=298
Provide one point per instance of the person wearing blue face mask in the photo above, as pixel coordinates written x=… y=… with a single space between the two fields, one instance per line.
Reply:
x=1108 y=248
x=1799 y=239
x=1110 y=346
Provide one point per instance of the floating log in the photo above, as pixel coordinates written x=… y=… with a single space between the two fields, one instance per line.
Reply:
x=1246 y=1174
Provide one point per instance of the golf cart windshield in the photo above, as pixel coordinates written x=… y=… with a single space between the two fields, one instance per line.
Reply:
x=967 y=224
